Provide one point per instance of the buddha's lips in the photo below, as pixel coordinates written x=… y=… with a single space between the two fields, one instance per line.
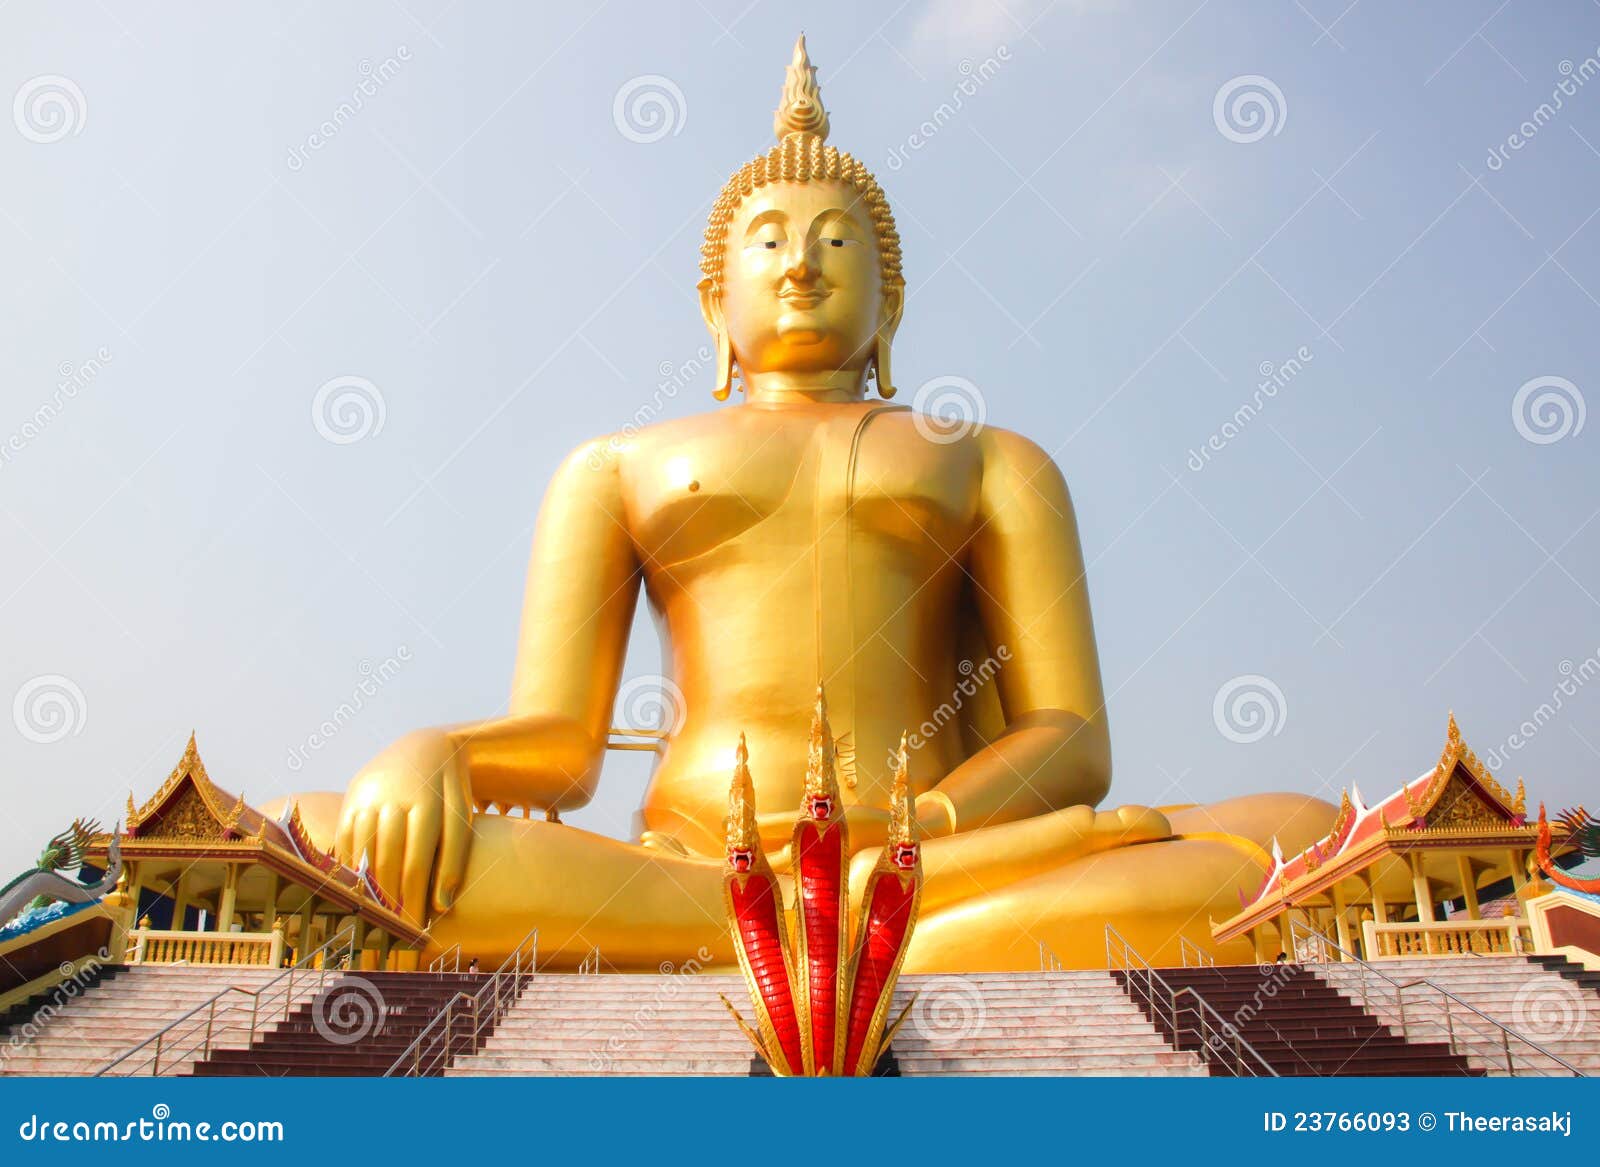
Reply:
x=803 y=299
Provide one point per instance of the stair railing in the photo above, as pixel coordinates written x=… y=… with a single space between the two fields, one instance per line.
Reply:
x=1048 y=961
x=450 y=956
x=196 y=1032
x=1188 y=949
x=467 y=1018
x=1186 y=1011
x=590 y=965
x=1497 y=1042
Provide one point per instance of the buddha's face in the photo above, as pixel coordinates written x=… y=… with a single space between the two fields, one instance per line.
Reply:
x=802 y=287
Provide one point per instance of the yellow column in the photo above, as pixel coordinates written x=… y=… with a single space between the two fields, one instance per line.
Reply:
x=227 y=898
x=1519 y=873
x=180 y=901
x=1469 y=886
x=1421 y=890
x=269 y=910
x=1341 y=922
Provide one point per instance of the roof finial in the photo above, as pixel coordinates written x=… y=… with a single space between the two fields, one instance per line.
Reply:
x=1453 y=731
x=800 y=109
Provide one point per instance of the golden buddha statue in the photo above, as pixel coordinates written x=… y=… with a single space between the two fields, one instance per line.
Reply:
x=809 y=533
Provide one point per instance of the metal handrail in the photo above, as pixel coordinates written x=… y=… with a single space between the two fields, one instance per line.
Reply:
x=435 y=1046
x=1048 y=961
x=451 y=954
x=590 y=965
x=1503 y=1037
x=1202 y=958
x=1215 y=1032
x=342 y=941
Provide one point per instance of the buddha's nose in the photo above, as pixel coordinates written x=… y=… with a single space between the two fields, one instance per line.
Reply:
x=802 y=265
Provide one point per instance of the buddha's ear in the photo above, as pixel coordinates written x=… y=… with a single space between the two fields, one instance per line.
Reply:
x=717 y=325
x=894 y=303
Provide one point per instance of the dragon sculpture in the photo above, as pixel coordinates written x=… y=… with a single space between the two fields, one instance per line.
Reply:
x=45 y=884
x=821 y=1002
x=1581 y=830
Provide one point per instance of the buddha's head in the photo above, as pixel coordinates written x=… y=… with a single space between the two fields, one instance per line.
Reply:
x=801 y=259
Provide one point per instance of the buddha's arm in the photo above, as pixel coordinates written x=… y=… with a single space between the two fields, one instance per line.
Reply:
x=1025 y=561
x=583 y=583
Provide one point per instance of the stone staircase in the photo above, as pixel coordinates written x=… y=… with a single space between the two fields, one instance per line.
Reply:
x=358 y=1028
x=981 y=1023
x=1299 y=1025
x=1549 y=1000
x=122 y=1008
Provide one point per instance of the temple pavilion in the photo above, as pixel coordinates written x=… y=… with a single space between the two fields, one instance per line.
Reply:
x=1378 y=882
x=209 y=879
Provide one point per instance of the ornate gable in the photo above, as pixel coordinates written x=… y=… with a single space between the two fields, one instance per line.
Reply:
x=1459 y=767
x=186 y=806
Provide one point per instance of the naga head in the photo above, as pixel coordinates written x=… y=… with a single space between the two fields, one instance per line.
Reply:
x=904 y=850
x=821 y=801
x=743 y=841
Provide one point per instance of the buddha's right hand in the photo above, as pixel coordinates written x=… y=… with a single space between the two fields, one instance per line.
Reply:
x=410 y=805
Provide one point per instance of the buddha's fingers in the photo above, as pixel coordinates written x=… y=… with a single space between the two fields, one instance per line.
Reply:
x=455 y=834
x=389 y=852
x=421 y=838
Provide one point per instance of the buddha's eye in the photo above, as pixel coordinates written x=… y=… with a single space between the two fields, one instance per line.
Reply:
x=836 y=240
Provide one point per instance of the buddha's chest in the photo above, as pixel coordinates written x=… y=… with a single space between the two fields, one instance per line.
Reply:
x=776 y=484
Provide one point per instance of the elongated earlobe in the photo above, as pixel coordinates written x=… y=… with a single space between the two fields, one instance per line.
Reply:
x=724 y=381
x=880 y=368
x=894 y=302
x=711 y=312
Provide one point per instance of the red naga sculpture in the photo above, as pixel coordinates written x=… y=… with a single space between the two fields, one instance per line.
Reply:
x=821 y=1003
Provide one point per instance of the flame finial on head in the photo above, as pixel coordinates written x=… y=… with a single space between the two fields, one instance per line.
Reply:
x=902 y=812
x=800 y=109
x=742 y=835
x=822 y=775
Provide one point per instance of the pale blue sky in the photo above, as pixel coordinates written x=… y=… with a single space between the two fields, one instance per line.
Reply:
x=1084 y=243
